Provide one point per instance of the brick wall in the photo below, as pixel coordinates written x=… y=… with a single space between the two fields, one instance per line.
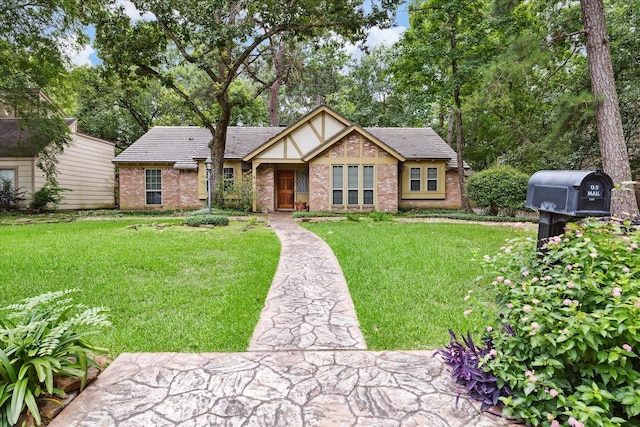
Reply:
x=179 y=189
x=388 y=188
x=265 y=188
x=451 y=201
x=319 y=187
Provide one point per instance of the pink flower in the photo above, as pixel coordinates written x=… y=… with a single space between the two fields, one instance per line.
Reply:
x=616 y=292
x=555 y=423
x=509 y=305
x=493 y=352
x=526 y=308
x=633 y=246
x=499 y=279
x=534 y=279
x=525 y=273
x=569 y=267
x=627 y=347
x=468 y=312
x=546 y=278
x=553 y=392
x=637 y=303
x=566 y=302
x=507 y=250
x=535 y=325
x=625 y=269
x=489 y=329
x=593 y=255
x=575 y=423
x=578 y=234
x=535 y=301
x=507 y=282
x=625 y=239
x=571 y=285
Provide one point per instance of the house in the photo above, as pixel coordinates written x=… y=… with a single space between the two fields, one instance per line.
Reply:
x=322 y=159
x=84 y=167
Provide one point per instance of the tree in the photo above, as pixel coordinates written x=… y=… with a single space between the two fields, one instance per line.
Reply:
x=225 y=42
x=615 y=158
x=442 y=53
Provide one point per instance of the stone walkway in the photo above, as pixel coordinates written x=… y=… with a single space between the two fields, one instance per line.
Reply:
x=306 y=366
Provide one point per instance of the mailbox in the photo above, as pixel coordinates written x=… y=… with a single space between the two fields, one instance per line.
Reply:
x=564 y=196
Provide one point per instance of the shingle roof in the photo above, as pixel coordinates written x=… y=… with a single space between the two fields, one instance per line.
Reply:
x=180 y=145
x=15 y=139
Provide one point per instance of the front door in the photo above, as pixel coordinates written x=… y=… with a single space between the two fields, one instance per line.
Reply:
x=285 y=190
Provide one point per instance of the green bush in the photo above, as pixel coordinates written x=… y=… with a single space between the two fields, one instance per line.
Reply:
x=48 y=197
x=353 y=217
x=42 y=337
x=197 y=220
x=240 y=196
x=498 y=190
x=9 y=195
x=380 y=216
x=566 y=339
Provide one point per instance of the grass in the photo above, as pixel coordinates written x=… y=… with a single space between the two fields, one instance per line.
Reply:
x=408 y=281
x=169 y=288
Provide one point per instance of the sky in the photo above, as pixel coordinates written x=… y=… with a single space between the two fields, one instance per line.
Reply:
x=86 y=55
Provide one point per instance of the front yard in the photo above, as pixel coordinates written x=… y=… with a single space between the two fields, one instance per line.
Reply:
x=169 y=288
x=176 y=288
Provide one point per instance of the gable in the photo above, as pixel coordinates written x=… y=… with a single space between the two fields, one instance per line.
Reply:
x=307 y=134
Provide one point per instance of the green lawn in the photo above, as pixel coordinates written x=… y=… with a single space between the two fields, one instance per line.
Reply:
x=408 y=280
x=168 y=288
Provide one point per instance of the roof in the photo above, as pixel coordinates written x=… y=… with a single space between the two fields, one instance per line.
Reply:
x=182 y=146
x=15 y=139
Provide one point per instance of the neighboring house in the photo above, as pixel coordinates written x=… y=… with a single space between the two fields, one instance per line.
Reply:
x=323 y=159
x=84 y=168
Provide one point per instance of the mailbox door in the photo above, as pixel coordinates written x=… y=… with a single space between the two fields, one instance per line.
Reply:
x=594 y=194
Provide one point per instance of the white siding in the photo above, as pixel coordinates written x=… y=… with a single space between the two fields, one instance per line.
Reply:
x=86 y=169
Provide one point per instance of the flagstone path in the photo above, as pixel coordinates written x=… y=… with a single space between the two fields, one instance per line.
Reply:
x=306 y=365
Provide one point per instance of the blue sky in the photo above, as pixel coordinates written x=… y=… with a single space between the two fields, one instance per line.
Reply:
x=87 y=55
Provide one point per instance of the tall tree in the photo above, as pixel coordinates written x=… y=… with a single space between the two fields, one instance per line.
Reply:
x=615 y=158
x=224 y=40
x=441 y=55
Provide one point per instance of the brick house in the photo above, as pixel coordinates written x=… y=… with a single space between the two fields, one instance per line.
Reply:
x=323 y=159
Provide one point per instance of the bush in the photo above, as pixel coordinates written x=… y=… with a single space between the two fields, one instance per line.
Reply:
x=353 y=217
x=197 y=220
x=380 y=216
x=240 y=196
x=565 y=339
x=39 y=338
x=9 y=195
x=498 y=190
x=47 y=197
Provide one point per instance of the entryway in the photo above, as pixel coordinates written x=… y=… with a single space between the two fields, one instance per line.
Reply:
x=285 y=189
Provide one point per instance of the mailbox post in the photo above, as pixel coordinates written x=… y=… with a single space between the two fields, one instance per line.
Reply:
x=563 y=196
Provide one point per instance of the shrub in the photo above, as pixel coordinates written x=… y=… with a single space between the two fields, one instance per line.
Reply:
x=380 y=216
x=9 y=195
x=47 y=197
x=353 y=217
x=197 y=220
x=39 y=338
x=498 y=190
x=240 y=196
x=565 y=338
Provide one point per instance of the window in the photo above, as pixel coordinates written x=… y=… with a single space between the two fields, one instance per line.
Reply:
x=367 y=185
x=9 y=174
x=228 y=181
x=415 y=179
x=352 y=183
x=338 y=185
x=153 y=186
x=432 y=179
x=302 y=181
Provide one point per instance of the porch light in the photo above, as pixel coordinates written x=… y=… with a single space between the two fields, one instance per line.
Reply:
x=208 y=163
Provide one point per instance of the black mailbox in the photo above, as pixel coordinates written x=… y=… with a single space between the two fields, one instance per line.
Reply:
x=563 y=196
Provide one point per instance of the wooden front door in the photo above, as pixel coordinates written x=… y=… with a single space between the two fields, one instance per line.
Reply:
x=285 y=190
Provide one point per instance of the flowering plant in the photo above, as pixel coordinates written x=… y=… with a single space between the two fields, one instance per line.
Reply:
x=565 y=337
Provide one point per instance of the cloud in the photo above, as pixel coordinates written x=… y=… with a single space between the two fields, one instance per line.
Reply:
x=132 y=12
x=83 y=56
x=377 y=37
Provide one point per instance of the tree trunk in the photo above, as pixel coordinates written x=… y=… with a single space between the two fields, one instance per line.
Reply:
x=218 y=145
x=277 y=46
x=613 y=150
x=464 y=201
x=450 y=128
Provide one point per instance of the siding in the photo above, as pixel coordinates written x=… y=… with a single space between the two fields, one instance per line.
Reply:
x=85 y=168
